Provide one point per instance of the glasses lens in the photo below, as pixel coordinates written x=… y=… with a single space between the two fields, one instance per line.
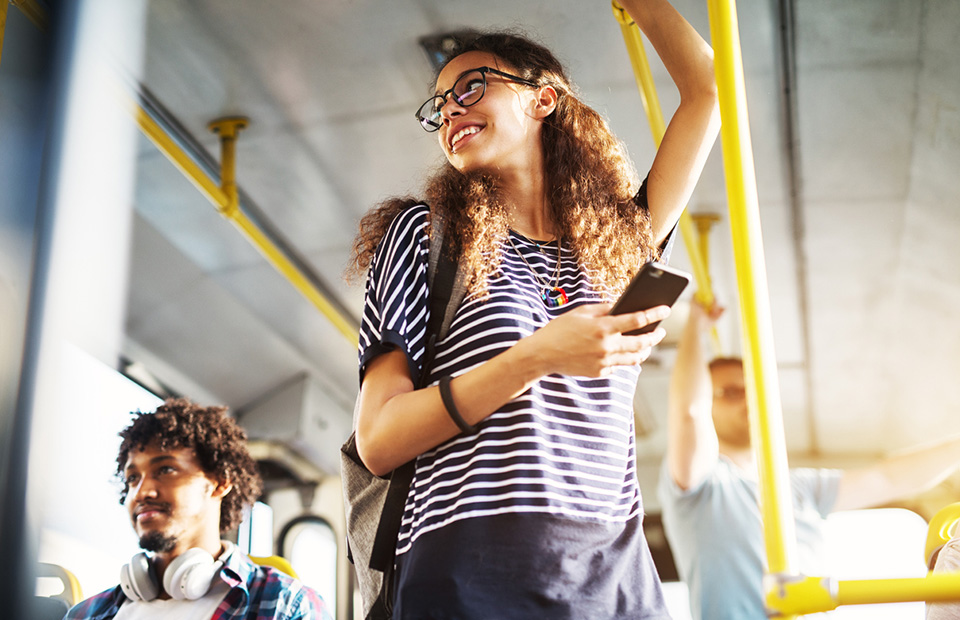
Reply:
x=469 y=88
x=429 y=114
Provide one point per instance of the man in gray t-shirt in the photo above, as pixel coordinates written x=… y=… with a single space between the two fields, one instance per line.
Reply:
x=709 y=492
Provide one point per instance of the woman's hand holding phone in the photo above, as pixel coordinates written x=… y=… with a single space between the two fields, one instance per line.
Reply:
x=654 y=285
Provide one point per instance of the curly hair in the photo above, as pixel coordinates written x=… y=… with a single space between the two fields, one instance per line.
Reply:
x=590 y=185
x=218 y=441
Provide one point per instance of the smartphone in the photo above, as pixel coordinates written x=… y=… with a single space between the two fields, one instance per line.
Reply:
x=654 y=285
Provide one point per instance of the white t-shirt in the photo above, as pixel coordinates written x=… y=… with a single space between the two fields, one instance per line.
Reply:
x=171 y=609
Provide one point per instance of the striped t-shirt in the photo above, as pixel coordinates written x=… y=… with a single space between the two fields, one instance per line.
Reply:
x=556 y=463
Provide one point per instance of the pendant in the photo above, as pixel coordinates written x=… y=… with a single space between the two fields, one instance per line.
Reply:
x=554 y=297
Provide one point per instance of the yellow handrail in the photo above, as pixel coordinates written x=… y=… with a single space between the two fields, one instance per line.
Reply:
x=651 y=105
x=3 y=25
x=194 y=173
x=763 y=394
x=225 y=199
x=278 y=562
x=809 y=595
x=787 y=594
x=34 y=12
x=934 y=588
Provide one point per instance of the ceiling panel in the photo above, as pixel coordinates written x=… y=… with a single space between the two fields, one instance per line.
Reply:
x=861 y=254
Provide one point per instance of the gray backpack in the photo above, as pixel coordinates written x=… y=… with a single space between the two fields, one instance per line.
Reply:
x=374 y=505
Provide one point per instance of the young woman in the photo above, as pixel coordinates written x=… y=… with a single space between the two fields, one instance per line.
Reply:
x=525 y=502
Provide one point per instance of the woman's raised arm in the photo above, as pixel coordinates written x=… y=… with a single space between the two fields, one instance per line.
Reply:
x=693 y=128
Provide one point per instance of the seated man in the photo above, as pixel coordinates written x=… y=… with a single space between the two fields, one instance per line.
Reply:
x=186 y=476
x=709 y=488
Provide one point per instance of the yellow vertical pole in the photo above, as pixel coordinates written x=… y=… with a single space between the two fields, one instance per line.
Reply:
x=763 y=392
x=651 y=105
x=703 y=223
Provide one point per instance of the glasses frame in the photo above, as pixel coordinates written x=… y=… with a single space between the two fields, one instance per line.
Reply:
x=431 y=126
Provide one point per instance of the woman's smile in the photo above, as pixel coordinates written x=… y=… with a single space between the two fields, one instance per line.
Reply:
x=464 y=135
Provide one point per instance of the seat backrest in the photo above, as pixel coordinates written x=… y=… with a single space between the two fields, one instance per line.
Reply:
x=71 y=594
x=278 y=562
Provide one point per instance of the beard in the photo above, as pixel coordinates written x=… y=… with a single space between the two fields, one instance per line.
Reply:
x=157 y=542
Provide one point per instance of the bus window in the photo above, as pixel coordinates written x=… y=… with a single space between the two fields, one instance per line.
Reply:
x=83 y=527
x=311 y=546
x=255 y=534
x=880 y=543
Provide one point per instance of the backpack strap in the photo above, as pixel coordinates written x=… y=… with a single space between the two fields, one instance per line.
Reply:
x=447 y=289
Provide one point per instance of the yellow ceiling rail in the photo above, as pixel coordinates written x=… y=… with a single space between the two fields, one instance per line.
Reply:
x=34 y=12
x=225 y=197
x=703 y=222
x=30 y=8
x=651 y=105
x=227 y=129
x=162 y=140
x=3 y=24
x=763 y=391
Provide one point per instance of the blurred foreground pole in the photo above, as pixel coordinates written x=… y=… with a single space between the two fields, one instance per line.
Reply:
x=66 y=162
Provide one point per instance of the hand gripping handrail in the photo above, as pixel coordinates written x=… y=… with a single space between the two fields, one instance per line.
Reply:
x=759 y=360
x=696 y=246
x=651 y=105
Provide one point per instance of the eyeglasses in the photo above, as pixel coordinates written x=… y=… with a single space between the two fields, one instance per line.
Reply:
x=467 y=90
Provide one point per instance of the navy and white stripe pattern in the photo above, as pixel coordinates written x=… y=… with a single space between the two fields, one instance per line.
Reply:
x=565 y=447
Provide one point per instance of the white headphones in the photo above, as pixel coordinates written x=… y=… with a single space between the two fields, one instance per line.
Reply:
x=188 y=577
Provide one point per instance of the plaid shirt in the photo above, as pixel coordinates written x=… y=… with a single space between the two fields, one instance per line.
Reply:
x=256 y=593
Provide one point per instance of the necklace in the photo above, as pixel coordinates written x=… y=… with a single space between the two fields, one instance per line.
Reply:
x=552 y=296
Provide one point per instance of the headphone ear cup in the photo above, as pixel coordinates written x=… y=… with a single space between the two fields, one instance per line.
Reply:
x=138 y=579
x=190 y=575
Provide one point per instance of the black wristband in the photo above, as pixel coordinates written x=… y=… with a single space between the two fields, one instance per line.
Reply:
x=451 y=406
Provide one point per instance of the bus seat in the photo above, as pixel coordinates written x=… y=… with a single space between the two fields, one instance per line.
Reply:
x=942 y=527
x=48 y=608
x=278 y=562
x=71 y=593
